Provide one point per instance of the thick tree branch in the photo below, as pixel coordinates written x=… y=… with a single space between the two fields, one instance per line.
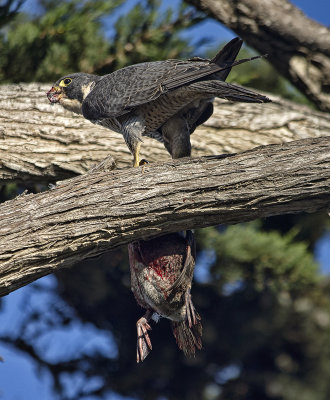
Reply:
x=40 y=143
x=90 y=214
x=297 y=46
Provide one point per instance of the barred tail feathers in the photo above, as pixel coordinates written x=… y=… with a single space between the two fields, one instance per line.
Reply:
x=228 y=91
x=188 y=339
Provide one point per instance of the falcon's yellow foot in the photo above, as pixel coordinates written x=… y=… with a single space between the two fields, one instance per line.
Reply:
x=136 y=160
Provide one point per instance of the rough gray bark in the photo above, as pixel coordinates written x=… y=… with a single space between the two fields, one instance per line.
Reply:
x=297 y=46
x=90 y=214
x=43 y=143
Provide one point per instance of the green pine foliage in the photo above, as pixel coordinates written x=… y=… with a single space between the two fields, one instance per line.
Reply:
x=274 y=309
x=264 y=259
x=9 y=10
x=145 y=34
x=69 y=36
x=65 y=38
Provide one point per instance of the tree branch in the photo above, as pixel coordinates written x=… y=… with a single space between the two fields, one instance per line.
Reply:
x=90 y=214
x=298 y=47
x=40 y=143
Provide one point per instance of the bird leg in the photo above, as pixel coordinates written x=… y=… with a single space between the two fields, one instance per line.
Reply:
x=132 y=130
x=137 y=162
x=136 y=152
x=176 y=137
x=144 y=346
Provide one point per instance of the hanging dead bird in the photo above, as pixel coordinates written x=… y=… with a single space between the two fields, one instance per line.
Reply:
x=161 y=276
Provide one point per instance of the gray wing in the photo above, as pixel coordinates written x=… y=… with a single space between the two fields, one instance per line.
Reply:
x=188 y=268
x=117 y=93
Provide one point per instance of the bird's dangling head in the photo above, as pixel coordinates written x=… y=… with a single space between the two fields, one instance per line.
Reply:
x=71 y=90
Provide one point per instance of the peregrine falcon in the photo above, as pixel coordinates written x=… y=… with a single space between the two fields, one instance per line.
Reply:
x=165 y=100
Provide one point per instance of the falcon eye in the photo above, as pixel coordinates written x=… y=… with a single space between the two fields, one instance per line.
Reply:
x=65 y=82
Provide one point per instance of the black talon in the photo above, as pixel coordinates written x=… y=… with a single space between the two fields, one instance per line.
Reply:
x=143 y=162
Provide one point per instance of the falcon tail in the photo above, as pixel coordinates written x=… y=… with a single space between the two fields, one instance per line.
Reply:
x=228 y=91
x=188 y=339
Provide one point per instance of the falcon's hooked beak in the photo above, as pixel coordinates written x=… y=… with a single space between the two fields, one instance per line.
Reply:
x=55 y=94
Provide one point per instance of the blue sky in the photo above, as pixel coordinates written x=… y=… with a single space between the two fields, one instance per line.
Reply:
x=19 y=376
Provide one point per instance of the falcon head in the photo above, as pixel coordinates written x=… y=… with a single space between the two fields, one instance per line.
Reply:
x=71 y=90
